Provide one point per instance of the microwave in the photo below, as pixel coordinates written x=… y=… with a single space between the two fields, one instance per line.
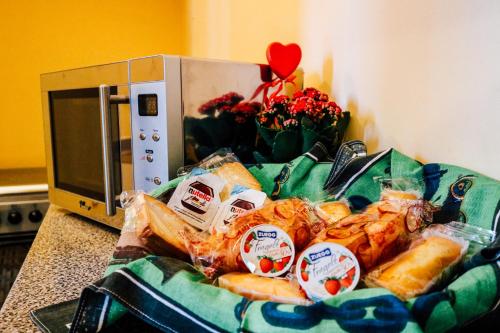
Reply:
x=131 y=125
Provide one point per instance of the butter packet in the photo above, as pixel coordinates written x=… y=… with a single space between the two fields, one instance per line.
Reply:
x=241 y=200
x=197 y=199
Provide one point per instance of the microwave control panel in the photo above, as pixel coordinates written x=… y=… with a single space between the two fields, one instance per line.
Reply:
x=149 y=138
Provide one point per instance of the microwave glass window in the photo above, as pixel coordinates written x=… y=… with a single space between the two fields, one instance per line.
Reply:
x=76 y=142
x=148 y=104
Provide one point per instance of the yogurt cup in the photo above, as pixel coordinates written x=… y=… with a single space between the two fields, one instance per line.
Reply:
x=267 y=250
x=327 y=269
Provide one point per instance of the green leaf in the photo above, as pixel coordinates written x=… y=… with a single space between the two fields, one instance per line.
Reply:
x=286 y=146
x=309 y=138
x=267 y=134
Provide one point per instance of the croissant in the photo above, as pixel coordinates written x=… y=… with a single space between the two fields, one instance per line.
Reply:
x=220 y=253
x=375 y=235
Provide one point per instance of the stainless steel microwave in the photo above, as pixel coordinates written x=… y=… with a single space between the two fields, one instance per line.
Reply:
x=132 y=124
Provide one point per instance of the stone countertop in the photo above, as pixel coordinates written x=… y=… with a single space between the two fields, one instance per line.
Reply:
x=68 y=253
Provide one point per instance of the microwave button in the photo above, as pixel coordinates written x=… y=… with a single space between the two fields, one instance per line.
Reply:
x=142 y=136
x=156 y=137
x=157 y=180
x=149 y=157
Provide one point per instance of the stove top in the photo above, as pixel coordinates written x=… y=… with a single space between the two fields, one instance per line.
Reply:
x=23 y=203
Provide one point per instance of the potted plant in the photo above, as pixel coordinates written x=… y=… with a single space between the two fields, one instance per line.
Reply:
x=289 y=127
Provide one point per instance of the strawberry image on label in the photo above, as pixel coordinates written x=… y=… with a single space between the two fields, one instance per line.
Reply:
x=327 y=269
x=267 y=250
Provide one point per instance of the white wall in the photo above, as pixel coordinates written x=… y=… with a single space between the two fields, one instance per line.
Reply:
x=420 y=76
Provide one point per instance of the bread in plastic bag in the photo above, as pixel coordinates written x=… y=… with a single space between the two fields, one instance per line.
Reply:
x=382 y=231
x=428 y=263
x=256 y=287
x=220 y=253
x=156 y=225
x=197 y=198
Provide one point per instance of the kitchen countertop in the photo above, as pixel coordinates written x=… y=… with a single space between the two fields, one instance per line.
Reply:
x=68 y=253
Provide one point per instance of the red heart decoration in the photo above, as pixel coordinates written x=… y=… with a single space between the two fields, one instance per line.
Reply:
x=283 y=59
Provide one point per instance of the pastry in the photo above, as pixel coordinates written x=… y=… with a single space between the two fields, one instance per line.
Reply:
x=332 y=212
x=379 y=233
x=414 y=272
x=220 y=253
x=234 y=173
x=256 y=287
x=388 y=194
x=160 y=229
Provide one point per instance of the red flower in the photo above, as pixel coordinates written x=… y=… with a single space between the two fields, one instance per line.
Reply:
x=220 y=103
x=302 y=105
x=316 y=106
x=313 y=93
x=298 y=94
x=279 y=99
x=243 y=111
x=290 y=123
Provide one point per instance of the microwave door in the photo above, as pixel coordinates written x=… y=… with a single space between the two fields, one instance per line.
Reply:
x=78 y=149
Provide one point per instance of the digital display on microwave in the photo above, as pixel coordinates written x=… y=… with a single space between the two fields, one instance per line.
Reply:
x=148 y=104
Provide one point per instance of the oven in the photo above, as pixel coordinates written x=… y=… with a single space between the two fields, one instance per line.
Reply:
x=23 y=204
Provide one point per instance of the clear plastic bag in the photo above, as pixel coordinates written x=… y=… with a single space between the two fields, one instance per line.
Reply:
x=330 y=212
x=198 y=197
x=221 y=253
x=253 y=287
x=477 y=237
x=155 y=225
x=429 y=263
x=383 y=229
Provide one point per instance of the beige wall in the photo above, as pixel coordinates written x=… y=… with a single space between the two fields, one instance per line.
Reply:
x=41 y=36
x=420 y=76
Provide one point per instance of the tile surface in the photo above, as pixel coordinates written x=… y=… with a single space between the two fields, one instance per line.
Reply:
x=68 y=253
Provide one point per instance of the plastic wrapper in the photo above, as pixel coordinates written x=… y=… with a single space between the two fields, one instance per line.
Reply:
x=329 y=212
x=429 y=263
x=254 y=287
x=198 y=198
x=477 y=237
x=383 y=230
x=155 y=225
x=220 y=253
x=224 y=164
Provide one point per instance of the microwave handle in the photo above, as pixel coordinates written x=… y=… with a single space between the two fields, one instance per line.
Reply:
x=105 y=101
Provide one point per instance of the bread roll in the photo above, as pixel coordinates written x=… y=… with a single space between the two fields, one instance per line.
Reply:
x=256 y=287
x=414 y=272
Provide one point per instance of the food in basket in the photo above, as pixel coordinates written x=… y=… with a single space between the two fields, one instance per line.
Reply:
x=267 y=250
x=379 y=233
x=198 y=198
x=234 y=173
x=237 y=205
x=256 y=287
x=326 y=269
x=158 y=227
x=220 y=253
x=333 y=211
x=415 y=271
